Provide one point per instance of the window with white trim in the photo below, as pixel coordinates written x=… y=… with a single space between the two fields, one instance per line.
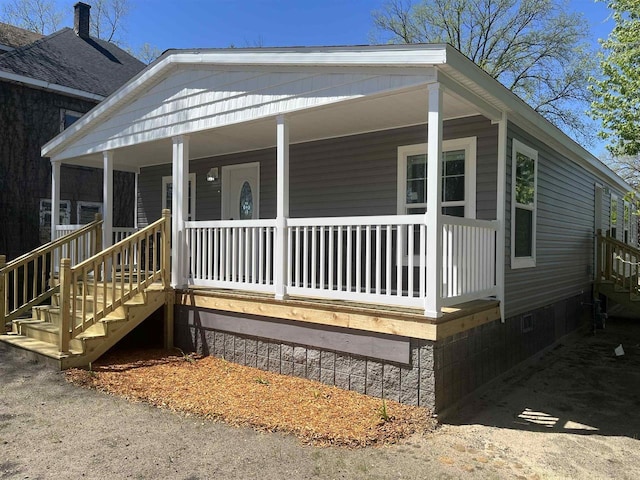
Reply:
x=45 y=212
x=626 y=222
x=167 y=192
x=68 y=118
x=87 y=211
x=524 y=192
x=613 y=216
x=458 y=178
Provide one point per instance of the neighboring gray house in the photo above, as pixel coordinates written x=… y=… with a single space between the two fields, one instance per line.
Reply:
x=312 y=235
x=46 y=83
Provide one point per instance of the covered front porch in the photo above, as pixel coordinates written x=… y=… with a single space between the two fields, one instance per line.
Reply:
x=432 y=253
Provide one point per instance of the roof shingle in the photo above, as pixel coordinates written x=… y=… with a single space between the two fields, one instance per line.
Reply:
x=16 y=37
x=63 y=58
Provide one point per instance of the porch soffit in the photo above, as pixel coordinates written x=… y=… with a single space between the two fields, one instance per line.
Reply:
x=349 y=117
x=197 y=99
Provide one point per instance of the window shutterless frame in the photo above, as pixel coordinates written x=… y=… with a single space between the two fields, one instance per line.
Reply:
x=167 y=185
x=408 y=152
x=524 y=205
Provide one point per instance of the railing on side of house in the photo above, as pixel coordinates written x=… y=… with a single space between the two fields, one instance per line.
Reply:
x=618 y=263
x=27 y=281
x=376 y=259
x=94 y=288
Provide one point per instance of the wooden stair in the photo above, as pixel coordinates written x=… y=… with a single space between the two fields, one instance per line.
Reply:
x=629 y=301
x=39 y=334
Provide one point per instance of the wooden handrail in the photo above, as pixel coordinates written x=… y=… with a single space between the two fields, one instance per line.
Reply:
x=617 y=262
x=115 y=275
x=52 y=245
x=30 y=277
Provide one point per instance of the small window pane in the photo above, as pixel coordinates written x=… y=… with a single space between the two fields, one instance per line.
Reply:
x=453 y=189
x=453 y=162
x=523 y=243
x=525 y=179
x=246 y=202
x=454 y=211
x=416 y=167
x=416 y=191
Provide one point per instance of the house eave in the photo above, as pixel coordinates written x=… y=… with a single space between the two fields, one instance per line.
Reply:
x=379 y=56
x=51 y=87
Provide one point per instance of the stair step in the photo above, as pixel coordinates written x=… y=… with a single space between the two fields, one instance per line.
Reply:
x=39 y=330
x=37 y=346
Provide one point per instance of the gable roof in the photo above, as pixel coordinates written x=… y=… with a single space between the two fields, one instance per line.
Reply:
x=97 y=130
x=64 y=59
x=15 y=37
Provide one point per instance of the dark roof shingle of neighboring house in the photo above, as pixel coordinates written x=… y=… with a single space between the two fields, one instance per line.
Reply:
x=16 y=37
x=64 y=58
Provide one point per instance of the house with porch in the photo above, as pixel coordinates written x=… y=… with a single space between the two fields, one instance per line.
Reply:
x=291 y=217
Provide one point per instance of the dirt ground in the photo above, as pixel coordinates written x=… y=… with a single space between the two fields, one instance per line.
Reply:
x=571 y=415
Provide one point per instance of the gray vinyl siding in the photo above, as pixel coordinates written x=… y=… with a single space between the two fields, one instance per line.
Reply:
x=565 y=231
x=353 y=175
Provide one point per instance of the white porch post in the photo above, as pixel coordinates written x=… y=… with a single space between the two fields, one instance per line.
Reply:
x=179 y=203
x=282 y=208
x=107 y=200
x=135 y=198
x=501 y=207
x=433 y=300
x=55 y=197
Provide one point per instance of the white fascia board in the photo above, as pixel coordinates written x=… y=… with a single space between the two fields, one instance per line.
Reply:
x=51 y=148
x=53 y=87
x=385 y=55
x=522 y=114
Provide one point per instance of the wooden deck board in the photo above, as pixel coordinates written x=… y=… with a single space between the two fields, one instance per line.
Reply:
x=407 y=322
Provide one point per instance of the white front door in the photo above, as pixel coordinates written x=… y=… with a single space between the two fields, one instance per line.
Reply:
x=241 y=191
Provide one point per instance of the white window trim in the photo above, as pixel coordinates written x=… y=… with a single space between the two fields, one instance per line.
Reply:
x=63 y=112
x=192 y=179
x=64 y=205
x=614 y=199
x=87 y=204
x=468 y=144
x=523 y=262
x=626 y=222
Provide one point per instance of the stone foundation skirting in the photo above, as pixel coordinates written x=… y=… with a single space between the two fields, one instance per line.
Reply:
x=435 y=375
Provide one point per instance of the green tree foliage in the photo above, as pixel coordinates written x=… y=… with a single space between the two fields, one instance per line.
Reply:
x=617 y=94
x=533 y=47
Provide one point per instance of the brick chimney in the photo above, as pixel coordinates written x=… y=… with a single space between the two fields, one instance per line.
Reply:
x=81 y=19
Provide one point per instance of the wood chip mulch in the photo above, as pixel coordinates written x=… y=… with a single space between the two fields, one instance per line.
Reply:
x=216 y=389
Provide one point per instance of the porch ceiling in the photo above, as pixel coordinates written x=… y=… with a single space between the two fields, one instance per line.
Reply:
x=379 y=112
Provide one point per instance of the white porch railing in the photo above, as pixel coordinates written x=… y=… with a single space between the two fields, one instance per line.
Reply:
x=232 y=254
x=468 y=259
x=373 y=259
x=82 y=249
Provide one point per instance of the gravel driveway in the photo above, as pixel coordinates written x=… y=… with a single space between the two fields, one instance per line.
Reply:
x=572 y=415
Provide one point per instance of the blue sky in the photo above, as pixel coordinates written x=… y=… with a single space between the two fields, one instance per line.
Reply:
x=221 y=23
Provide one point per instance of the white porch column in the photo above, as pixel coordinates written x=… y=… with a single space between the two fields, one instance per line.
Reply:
x=107 y=200
x=55 y=197
x=282 y=208
x=180 y=209
x=501 y=206
x=135 y=198
x=433 y=216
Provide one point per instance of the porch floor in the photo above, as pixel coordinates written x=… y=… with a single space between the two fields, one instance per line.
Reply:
x=394 y=320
